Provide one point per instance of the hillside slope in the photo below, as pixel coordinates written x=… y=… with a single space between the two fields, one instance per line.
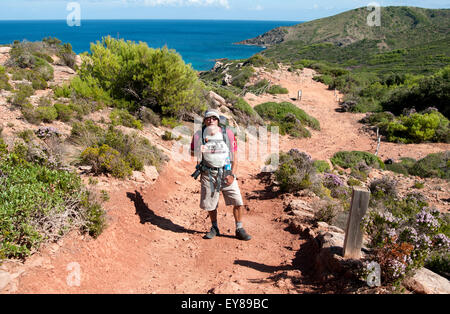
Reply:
x=347 y=39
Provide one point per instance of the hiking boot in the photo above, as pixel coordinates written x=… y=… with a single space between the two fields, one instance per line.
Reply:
x=242 y=235
x=212 y=233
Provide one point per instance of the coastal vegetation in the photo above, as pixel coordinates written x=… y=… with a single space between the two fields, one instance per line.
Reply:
x=39 y=202
x=400 y=65
x=404 y=232
x=289 y=118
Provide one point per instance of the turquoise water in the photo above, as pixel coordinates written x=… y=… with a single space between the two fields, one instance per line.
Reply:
x=199 y=42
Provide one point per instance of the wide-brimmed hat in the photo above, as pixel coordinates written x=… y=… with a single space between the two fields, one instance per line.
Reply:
x=212 y=113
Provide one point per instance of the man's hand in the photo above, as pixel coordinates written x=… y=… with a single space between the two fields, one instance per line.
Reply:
x=229 y=180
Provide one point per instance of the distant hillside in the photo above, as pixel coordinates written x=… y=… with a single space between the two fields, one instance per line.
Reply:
x=348 y=40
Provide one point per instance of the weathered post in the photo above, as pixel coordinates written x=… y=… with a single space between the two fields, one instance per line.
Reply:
x=299 y=97
x=354 y=233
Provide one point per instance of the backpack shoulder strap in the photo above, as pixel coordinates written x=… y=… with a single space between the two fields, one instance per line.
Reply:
x=203 y=135
x=226 y=139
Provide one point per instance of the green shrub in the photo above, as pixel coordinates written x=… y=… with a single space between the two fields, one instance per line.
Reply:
x=418 y=128
x=383 y=188
x=21 y=95
x=439 y=263
x=146 y=115
x=277 y=89
x=433 y=166
x=47 y=114
x=26 y=135
x=403 y=167
x=65 y=113
x=156 y=78
x=105 y=159
x=86 y=133
x=277 y=112
x=259 y=60
x=123 y=117
x=242 y=76
x=30 y=114
x=321 y=166
x=40 y=205
x=170 y=122
x=133 y=150
x=296 y=171
x=63 y=91
x=430 y=91
x=346 y=159
x=354 y=182
x=4 y=80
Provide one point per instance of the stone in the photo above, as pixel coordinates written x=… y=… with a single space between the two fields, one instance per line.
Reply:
x=138 y=176
x=5 y=50
x=425 y=281
x=151 y=173
x=300 y=205
x=227 y=80
x=217 y=66
x=5 y=279
x=227 y=288
x=216 y=99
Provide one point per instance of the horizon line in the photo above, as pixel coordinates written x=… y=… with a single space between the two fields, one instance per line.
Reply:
x=150 y=19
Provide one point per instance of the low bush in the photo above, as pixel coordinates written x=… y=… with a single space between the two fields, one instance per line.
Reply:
x=262 y=61
x=4 y=80
x=86 y=133
x=277 y=89
x=40 y=205
x=347 y=159
x=327 y=211
x=289 y=118
x=383 y=188
x=245 y=114
x=123 y=152
x=123 y=117
x=277 y=112
x=418 y=128
x=402 y=167
x=433 y=166
x=64 y=112
x=404 y=233
x=105 y=159
x=296 y=171
x=146 y=115
x=321 y=166
x=21 y=94
x=47 y=114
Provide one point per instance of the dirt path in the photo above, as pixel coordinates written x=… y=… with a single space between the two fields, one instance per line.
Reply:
x=154 y=240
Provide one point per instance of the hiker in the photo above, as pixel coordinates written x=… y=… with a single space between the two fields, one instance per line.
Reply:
x=215 y=147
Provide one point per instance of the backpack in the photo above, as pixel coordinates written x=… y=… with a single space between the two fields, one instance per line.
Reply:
x=222 y=154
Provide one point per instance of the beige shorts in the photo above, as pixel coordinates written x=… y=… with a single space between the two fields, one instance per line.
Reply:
x=210 y=201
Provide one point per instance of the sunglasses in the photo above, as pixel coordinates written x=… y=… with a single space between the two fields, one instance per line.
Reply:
x=213 y=118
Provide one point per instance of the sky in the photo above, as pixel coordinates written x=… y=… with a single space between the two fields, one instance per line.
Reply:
x=280 y=10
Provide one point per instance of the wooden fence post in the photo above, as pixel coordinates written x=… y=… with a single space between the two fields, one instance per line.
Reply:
x=354 y=233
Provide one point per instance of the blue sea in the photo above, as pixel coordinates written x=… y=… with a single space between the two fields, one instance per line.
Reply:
x=199 y=42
